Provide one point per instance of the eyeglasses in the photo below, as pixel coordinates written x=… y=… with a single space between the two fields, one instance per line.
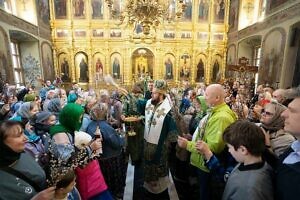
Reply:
x=267 y=113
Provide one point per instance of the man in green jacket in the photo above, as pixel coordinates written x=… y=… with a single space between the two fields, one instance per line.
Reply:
x=210 y=130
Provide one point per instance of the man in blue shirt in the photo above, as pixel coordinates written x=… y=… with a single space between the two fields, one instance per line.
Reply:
x=288 y=172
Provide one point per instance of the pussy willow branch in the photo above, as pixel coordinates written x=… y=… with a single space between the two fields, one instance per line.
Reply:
x=181 y=126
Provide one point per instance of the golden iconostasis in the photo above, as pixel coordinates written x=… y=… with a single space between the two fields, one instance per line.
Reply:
x=88 y=43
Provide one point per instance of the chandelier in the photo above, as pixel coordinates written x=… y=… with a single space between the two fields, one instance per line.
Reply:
x=147 y=13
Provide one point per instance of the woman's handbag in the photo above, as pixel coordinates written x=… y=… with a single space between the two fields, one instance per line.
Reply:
x=90 y=180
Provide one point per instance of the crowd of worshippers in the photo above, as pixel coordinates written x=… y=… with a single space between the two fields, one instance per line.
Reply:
x=212 y=141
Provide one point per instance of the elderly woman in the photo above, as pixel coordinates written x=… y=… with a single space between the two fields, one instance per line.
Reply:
x=41 y=122
x=272 y=123
x=112 y=160
x=62 y=145
x=70 y=119
x=38 y=138
x=21 y=177
x=50 y=95
x=62 y=94
x=25 y=112
x=55 y=106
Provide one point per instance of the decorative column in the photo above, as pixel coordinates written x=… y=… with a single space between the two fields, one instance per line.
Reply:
x=193 y=67
x=127 y=67
x=209 y=45
x=226 y=24
x=177 y=68
x=55 y=62
x=194 y=37
x=69 y=5
x=90 y=67
x=209 y=67
x=72 y=64
x=91 y=64
x=223 y=65
x=159 y=66
x=107 y=60
x=54 y=50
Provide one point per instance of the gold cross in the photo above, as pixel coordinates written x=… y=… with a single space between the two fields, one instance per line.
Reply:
x=154 y=122
x=149 y=108
x=161 y=112
x=24 y=4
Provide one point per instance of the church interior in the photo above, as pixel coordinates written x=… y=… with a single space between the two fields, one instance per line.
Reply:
x=165 y=79
x=206 y=41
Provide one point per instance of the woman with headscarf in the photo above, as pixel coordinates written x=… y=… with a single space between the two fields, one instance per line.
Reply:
x=37 y=132
x=201 y=108
x=34 y=145
x=70 y=120
x=21 y=177
x=55 y=106
x=62 y=145
x=272 y=123
x=112 y=160
x=29 y=97
x=41 y=122
x=25 y=112
x=50 y=95
x=72 y=97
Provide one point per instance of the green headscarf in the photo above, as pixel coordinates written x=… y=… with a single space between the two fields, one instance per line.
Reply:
x=70 y=119
x=29 y=97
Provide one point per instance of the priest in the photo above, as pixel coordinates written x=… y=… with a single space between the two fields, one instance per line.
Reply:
x=160 y=132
